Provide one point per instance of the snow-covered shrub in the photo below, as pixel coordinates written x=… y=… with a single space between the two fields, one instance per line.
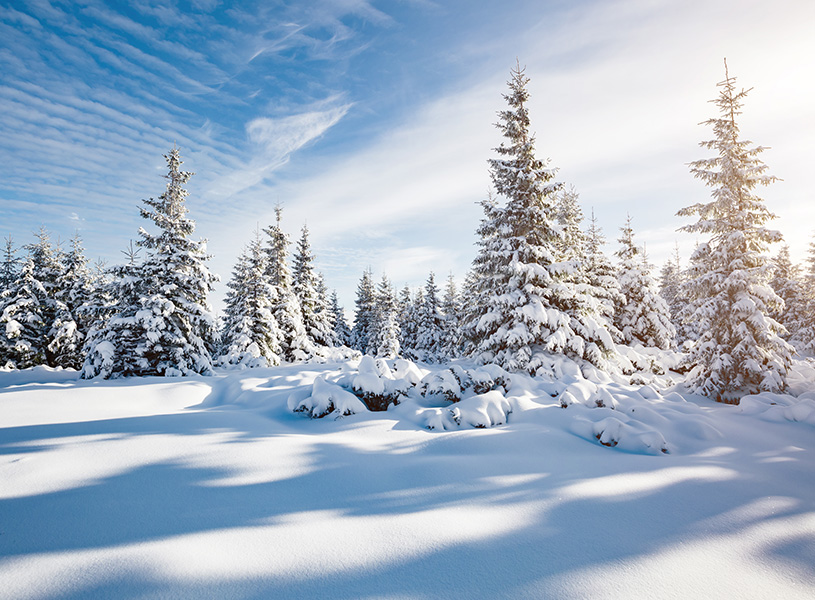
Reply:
x=479 y=411
x=375 y=385
x=442 y=383
x=326 y=398
x=627 y=435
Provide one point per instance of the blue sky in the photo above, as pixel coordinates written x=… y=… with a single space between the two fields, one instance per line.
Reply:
x=372 y=121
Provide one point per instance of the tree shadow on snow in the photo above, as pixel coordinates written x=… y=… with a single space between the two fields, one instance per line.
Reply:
x=565 y=531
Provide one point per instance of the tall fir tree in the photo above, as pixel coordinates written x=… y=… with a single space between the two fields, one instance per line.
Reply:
x=176 y=315
x=295 y=343
x=740 y=350
x=365 y=316
x=521 y=292
x=163 y=324
x=645 y=317
x=306 y=286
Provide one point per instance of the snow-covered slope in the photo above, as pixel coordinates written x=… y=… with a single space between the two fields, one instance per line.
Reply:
x=213 y=487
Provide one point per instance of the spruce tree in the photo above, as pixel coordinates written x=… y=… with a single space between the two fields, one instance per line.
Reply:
x=306 y=289
x=645 y=317
x=175 y=314
x=451 y=338
x=9 y=271
x=428 y=345
x=365 y=315
x=342 y=333
x=407 y=322
x=740 y=350
x=385 y=337
x=671 y=278
x=23 y=322
x=73 y=289
x=34 y=321
x=601 y=278
x=295 y=343
x=250 y=335
x=520 y=294
x=10 y=265
x=162 y=323
x=113 y=347
x=789 y=285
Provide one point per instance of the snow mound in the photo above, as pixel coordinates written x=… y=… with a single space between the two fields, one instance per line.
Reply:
x=326 y=398
x=480 y=411
x=780 y=407
x=36 y=375
x=622 y=433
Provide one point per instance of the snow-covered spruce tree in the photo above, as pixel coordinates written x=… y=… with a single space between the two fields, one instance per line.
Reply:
x=325 y=307
x=789 y=285
x=645 y=317
x=451 y=341
x=306 y=288
x=740 y=350
x=386 y=324
x=365 y=315
x=583 y=298
x=342 y=333
x=9 y=271
x=73 y=289
x=407 y=323
x=671 y=278
x=602 y=278
x=22 y=323
x=294 y=342
x=114 y=344
x=10 y=265
x=250 y=335
x=32 y=316
x=805 y=337
x=571 y=245
x=521 y=287
x=173 y=320
x=428 y=346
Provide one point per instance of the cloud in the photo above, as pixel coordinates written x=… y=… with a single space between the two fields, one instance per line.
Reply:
x=279 y=138
x=274 y=141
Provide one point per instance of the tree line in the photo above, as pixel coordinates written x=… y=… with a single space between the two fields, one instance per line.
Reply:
x=539 y=285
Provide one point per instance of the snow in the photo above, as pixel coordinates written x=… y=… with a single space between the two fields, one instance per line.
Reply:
x=213 y=487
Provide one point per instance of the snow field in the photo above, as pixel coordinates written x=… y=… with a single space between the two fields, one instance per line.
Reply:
x=213 y=487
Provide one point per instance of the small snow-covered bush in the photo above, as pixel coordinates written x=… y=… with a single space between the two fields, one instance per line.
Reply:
x=376 y=386
x=442 y=383
x=629 y=436
x=479 y=411
x=326 y=398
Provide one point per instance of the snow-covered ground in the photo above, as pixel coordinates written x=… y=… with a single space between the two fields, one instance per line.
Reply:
x=213 y=487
